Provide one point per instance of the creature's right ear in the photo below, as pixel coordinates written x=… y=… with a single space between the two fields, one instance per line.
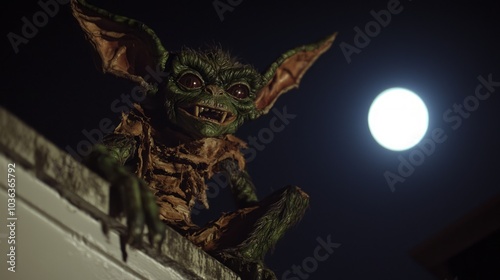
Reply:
x=125 y=47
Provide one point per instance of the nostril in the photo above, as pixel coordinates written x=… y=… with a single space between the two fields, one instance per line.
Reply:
x=214 y=90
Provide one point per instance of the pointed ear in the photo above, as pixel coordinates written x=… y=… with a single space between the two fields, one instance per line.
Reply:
x=286 y=72
x=124 y=47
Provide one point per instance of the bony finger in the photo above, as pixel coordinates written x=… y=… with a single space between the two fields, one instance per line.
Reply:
x=156 y=239
x=132 y=201
x=156 y=228
x=156 y=233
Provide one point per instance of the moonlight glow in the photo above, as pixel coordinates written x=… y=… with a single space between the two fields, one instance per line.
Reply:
x=398 y=119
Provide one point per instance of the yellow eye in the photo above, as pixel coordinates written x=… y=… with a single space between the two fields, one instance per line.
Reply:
x=240 y=91
x=190 y=81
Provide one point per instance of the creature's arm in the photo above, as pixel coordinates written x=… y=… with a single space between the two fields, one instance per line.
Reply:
x=241 y=184
x=109 y=157
x=134 y=197
x=128 y=49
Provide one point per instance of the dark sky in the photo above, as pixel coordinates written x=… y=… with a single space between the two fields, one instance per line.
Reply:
x=436 y=49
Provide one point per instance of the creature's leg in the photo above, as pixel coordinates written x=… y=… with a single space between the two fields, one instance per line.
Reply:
x=242 y=238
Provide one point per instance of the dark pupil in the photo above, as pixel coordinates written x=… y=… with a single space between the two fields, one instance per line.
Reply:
x=239 y=91
x=190 y=81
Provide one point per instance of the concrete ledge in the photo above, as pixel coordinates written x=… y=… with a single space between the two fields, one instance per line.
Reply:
x=61 y=210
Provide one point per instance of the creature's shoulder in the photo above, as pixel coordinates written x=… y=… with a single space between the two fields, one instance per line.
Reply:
x=235 y=141
x=237 y=145
x=137 y=124
x=134 y=123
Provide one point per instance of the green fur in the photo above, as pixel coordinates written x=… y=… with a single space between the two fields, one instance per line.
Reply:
x=214 y=67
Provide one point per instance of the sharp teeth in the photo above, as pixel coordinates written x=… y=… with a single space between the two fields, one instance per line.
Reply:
x=224 y=115
x=220 y=113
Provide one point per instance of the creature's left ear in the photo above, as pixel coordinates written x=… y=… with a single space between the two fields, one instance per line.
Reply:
x=125 y=47
x=286 y=72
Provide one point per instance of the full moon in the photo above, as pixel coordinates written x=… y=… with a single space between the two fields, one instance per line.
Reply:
x=398 y=119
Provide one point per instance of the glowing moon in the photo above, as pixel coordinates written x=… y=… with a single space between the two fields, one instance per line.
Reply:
x=398 y=119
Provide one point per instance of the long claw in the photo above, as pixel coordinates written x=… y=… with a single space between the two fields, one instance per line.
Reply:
x=132 y=202
x=129 y=194
x=156 y=228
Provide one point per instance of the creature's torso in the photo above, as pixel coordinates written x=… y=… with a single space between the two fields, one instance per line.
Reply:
x=177 y=172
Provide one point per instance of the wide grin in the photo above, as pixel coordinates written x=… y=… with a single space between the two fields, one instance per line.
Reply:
x=210 y=114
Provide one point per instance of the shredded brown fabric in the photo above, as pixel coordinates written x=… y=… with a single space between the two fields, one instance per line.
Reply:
x=177 y=174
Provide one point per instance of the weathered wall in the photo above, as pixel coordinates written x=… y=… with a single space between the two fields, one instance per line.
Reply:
x=56 y=220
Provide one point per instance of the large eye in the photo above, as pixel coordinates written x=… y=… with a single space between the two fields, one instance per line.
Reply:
x=190 y=81
x=240 y=91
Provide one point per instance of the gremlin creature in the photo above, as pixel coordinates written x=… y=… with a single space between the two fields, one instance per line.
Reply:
x=163 y=151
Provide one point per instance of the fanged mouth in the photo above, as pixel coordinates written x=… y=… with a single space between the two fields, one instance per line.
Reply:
x=210 y=114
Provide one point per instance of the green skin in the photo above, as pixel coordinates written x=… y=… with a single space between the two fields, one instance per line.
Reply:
x=219 y=75
x=209 y=79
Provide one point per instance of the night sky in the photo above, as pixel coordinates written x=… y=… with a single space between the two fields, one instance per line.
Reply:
x=439 y=50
